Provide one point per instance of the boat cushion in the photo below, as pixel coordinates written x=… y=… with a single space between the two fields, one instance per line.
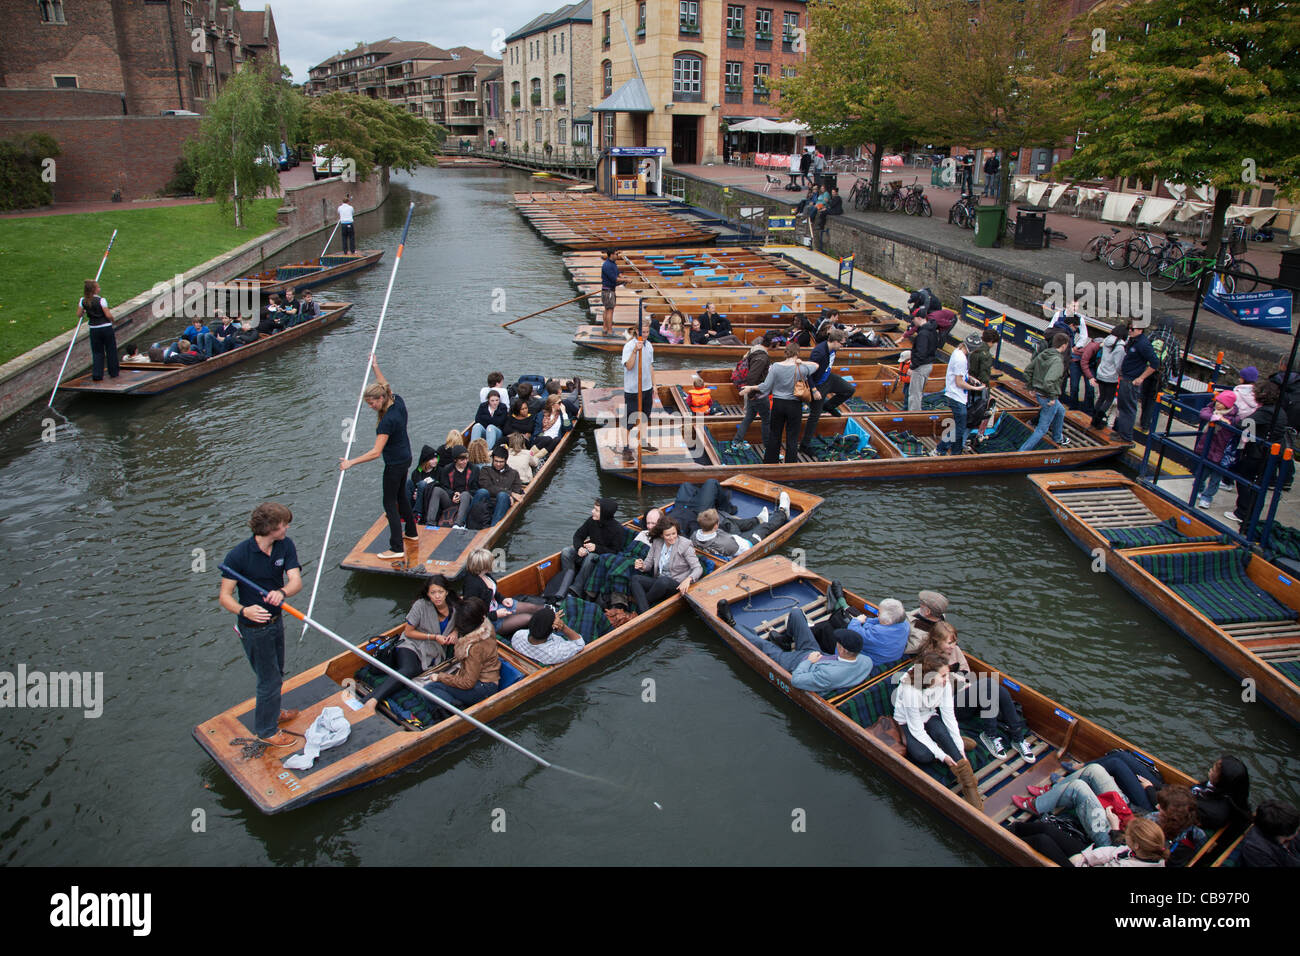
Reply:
x=1216 y=584
x=1008 y=435
x=1164 y=533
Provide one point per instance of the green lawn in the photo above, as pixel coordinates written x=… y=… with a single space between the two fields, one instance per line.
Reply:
x=45 y=260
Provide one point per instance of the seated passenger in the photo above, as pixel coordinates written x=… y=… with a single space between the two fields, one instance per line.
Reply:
x=570 y=396
x=184 y=353
x=599 y=534
x=670 y=565
x=699 y=397
x=943 y=640
x=479 y=452
x=489 y=421
x=270 y=322
x=930 y=612
x=698 y=335
x=539 y=642
x=550 y=424
x=718 y=325
x=1224 y=799
x=1177 y=818
x=446 y=451
x=1144 y=845
x=225 y=334
x=692 y=499
x=810 y=669
x=458 y=481
x=507 y=614
x=429 y=626
x=674 y=331
x=1272 y=840
x=477 y=672
x=522 y=459
x=524 y=390
x=309 y=309
x=134 y=355
x=923 y=710
x=884 y=637
x=200 y=336
x=495 y=382
x=520 y=420
x=1079 y=792
x=728 y=536
x=1137 y=779
x=290 y=309
x=499 y=484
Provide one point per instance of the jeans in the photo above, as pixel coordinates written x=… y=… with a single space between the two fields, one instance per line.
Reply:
x=501 y=506
x=756 y=405
x=397 y=506
x=206 y=343
x=955 y=446
x=462 y=698
x=787 y=414
x=221 y=346
x=1051 y=415
x=103 y=351
x=1105 y=397
x=492 y=434
x=916 y=387
x=1125 y=768
x=1078 y=792
x=804 y=642
x=348 y=234
x=264 y=647
x=1077 y=376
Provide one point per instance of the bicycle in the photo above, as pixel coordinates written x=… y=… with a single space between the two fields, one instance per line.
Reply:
x=962 y=212
x=858 y=193
x=1127 y=254
x=914 y=202
x=1099 y=246
x=1188 y=269
x=1169 y=251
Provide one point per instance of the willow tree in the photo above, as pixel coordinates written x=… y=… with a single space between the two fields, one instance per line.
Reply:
x=995 y=74
x=1197 y=92
x=847 y=90
x=371 y=132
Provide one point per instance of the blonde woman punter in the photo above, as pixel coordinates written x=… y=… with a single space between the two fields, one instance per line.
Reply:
x=392 y=443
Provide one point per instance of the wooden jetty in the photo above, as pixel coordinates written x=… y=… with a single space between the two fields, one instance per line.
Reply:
x=584 y=221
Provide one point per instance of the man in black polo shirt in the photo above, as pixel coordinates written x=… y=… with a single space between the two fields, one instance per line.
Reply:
x=1136 y=377
x=609 y=283
x=834 y=390
x=269 y=559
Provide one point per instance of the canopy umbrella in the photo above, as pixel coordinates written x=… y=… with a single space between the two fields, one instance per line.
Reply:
x=759 y=125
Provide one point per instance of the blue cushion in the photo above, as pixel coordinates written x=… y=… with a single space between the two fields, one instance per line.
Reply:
x=509 y=674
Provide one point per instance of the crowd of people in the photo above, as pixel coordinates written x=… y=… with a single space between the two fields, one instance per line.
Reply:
x=201 y=340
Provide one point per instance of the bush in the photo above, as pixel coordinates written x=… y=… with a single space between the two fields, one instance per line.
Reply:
x=182 y=181
x=22 y=161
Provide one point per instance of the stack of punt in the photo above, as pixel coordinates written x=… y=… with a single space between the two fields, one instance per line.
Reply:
x=305 y=275
x=761 y=596
x=594 y=337
x=155 y=377
x=580 y=221
x=406 y=728
x=1235 y=606
x=444 y=549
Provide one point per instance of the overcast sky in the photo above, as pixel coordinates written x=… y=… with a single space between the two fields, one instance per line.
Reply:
x=314 y=30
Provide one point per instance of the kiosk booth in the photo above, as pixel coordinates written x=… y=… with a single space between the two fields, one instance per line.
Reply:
x=632 y=171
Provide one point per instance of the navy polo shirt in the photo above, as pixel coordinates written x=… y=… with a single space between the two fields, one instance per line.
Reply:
x=397 y=450
x=1138 y=355
x=268 y=571
x=608 y=274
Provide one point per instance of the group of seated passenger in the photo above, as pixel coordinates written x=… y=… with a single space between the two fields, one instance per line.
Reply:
x=709 y=327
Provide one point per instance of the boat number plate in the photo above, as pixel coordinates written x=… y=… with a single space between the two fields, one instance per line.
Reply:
x=288 y=781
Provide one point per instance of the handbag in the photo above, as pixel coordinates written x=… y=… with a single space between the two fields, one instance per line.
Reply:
x=802 y=391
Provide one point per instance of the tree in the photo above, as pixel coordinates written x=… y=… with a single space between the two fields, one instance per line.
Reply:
x=1000 y=77
x=847 y=90
x=371 y=132
x=229 y=155
x=1199 y=92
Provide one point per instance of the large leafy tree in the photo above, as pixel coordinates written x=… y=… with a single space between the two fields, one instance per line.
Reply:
x=999 y=75
x=371 y=132
x=228 y=156
x=847 y=91
x=1199 y=92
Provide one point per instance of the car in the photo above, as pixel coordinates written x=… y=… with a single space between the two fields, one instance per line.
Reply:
x=178 y=113
x=323 y=165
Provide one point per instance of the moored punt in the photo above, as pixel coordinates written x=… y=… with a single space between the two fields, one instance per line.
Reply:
x=594 y=337
x=305 y=275
x=1235 y=606
x=383 y=741
x=875 y=445
x=581 y=221
x=154 y=377
x=444 y=550
x=767 y=590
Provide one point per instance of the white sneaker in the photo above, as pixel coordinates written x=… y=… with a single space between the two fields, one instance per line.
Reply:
x=1232 y=516
x=458 y=527
x=783 y=502
x=994 y=744
x=1026 y=750
x=763 y=516
x=1204 y=503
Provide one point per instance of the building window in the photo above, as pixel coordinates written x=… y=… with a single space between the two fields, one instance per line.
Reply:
x=514 y=93
x=607 y=124
x=735 y=20
x=688 y=16
x=519 y=130
x=640 y=18
x=604 y=42
x=537 y=132
x=789 y=24
x=734 y=82
x=581 y=134
x=536 y=92
x=562 y=131
x=65 y=82
x=561 y=42
x=761 y=71
x=557 y=84
x=763 y=25
x=687 y=70
x=51 y=11
x=787 y=72
x=607 y=68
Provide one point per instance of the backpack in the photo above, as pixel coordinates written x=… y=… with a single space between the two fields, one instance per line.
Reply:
x=740 y=372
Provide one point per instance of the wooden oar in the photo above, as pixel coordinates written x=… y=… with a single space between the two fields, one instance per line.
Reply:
x=64 y=368
x=587 y=295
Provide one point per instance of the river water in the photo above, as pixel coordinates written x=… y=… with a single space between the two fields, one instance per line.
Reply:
x=98 y=536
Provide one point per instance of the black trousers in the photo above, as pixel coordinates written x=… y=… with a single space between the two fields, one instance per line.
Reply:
x=397 y=506
x=648 y=590
x=634 y=403
x=103 y=351
x=407 y=663
x=349 y=236
x=835 y=392
x=1106 y=396
x=787 y=414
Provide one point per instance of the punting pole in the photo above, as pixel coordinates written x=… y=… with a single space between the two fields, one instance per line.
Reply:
x=330 y=239
x=506 y=325
x=352 y=432
x=308 y=621
x=64 y=368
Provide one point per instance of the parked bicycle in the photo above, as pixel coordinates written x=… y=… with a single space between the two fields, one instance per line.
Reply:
x=914 y=202
x=1189 y=268
x=962 y=212
x=1099 y=246
x=1131 y=252
x=859 y=192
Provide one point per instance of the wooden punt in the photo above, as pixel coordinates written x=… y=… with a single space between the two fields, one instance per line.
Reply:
x=445 y=550
x=1244 y=618
x=380 y=743
x=584 y=221
x=696 y=448
x=762 y=596
x=594 y=337
x=156 y=377
x=305 y=275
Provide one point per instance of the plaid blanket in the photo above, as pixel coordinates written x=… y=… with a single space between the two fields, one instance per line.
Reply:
x=613 y=572
x=586 y=617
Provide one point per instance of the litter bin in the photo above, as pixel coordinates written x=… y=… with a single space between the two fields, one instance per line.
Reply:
x=1031 y=222
x=988 y=225
x=934 y=176
x=1288 y=272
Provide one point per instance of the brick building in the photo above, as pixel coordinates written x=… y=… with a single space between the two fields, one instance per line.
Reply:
x=762 y=41
x=547 y=81
x=97 y=76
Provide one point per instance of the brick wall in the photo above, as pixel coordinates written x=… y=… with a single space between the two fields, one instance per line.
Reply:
x=100 y=154
x=314 y=206
x=31 y=104
x=745 y=52
x=32 y=52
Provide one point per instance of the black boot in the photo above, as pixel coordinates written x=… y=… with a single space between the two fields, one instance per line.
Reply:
x=724 y=613
x=835 y=596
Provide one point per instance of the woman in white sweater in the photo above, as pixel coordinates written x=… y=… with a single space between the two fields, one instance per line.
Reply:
x=923 y=709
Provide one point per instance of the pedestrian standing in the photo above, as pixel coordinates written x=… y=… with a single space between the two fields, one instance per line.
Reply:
x=392 y=443
x=925 y=349
x=805 y=164
x=103 y=340
x=270 y=560
x=1111 y=349
x=638 y=393
x=992 y=182
x=609 y=283
x=346 y=226
x=787 y=409
x=1139 y=367
x=957 y=386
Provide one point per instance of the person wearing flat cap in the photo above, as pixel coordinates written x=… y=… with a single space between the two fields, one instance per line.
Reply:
x=810 y=669
x=931 y=611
